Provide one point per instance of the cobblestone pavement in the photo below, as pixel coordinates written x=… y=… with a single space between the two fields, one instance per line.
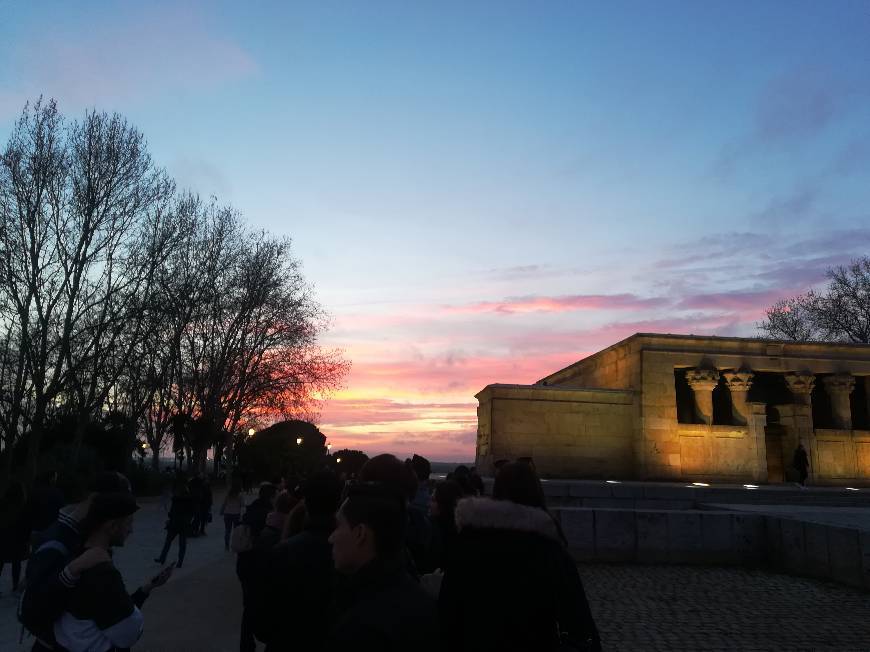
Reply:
x=669 y=608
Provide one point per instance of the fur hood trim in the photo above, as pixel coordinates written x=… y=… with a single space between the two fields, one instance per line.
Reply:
x=486 y=513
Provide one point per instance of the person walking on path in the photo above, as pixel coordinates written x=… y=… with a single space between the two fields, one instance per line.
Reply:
x=510 y=568
x=205 y=502
x=14 y=530
x=801 y=462
x=232 y=509
x=180 y=515
x=100 y=614
x=379 y=605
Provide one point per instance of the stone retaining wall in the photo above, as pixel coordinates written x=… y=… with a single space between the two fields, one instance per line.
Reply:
x=720 y=538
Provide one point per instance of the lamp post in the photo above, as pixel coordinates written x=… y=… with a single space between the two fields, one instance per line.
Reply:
x=251 y=432
x=299 y=441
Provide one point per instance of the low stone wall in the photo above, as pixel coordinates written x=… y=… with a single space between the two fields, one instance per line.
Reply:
x=719 y=538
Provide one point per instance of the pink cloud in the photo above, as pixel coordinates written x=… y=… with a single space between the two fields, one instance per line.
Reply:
x=738 y=301
x=568 y=303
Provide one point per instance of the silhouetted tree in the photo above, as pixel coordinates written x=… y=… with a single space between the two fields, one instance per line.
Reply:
x=840 y=312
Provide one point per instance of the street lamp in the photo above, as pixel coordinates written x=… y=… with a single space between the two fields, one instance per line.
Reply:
x=251 y=432
x=299 y=441
x=338 y=460
x=329 y=447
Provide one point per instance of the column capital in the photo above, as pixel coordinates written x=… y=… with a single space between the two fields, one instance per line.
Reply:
x=839 y=384
x=738 y=381
x=800 y=382
x=701 y=379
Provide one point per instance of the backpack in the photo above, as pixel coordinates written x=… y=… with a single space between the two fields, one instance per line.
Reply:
x=36 y=613
x=241 y=540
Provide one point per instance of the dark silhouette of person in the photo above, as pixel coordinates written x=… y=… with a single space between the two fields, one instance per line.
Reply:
x=247 y=564
x=379 y=605
x=180 y=514
x=388 y=470
x=298 y=584
x=14 y=530
x=442 y=511
x=801 y=462
x=205 y=502
x=510 y=568
x=46 y=501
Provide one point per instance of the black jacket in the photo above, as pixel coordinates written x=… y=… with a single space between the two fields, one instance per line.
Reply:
x=510 y=584
x=299 y=591
x=100 y=612
x=180 y=513
x=381 y=609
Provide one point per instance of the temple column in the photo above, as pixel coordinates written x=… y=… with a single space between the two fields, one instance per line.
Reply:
x=801 y=384
x=756 y=422
x=739 y=383
x=703 y=382
x=839 y=387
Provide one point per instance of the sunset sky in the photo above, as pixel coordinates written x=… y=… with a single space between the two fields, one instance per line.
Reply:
x=488 y=191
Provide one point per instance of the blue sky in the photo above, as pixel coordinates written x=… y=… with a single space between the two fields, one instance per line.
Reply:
x=484 y=191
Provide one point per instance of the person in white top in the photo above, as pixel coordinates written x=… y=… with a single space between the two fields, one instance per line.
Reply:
x=231 y=510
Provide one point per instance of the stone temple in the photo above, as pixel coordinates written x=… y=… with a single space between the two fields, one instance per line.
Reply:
x=689 y=408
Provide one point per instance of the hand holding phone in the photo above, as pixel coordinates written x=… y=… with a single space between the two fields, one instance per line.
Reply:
x=162 y=577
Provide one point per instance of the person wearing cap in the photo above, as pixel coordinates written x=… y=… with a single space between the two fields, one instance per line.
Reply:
x=58 y=559
x=100 y=615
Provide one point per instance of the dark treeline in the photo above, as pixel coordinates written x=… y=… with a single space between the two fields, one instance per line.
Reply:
x=130 y=307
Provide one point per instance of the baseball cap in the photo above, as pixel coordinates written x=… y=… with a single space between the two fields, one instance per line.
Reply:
x=111 y=505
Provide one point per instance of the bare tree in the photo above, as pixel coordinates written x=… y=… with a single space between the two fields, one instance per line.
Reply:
x=838 y=313
x=74 y=198
x=118 y=296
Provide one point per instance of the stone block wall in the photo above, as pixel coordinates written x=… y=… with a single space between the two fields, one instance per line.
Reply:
x=840 y=456
x=567 y=432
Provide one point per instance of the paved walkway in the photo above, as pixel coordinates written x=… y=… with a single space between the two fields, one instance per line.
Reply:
x=202 y=598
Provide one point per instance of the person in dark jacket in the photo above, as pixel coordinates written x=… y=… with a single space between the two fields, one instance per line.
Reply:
x=46 y=501
x=801 y=463
x=511 y=585
x=100 y=614
x=442 y=512
x=205 y=503
x=379 y=605
x=14 y=530
x=180 y=514
x=248 y=564
x=299 y=583
x=387 y=469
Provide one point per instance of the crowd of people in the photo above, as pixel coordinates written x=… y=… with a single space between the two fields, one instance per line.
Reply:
x=391 y=561
x=386 y=560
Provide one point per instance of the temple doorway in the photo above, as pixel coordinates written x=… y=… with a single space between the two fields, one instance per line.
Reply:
x=774 y=434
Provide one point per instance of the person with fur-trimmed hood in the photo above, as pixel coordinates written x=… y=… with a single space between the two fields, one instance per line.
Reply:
x=511 y=583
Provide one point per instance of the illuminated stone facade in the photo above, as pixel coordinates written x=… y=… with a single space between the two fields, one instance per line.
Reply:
x=683 y=407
